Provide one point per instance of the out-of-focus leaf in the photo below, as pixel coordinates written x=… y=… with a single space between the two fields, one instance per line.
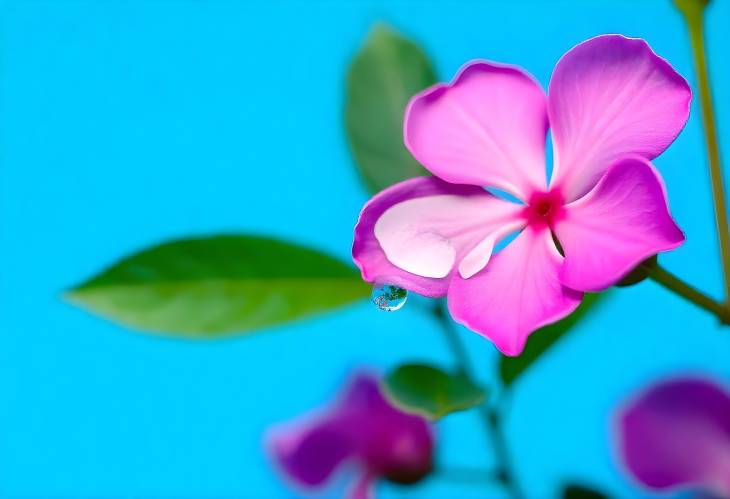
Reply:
x=574 y=491
x=638 y=274
x=510 y=368
x=431 y=392
x=209 y=287
x=387 y=71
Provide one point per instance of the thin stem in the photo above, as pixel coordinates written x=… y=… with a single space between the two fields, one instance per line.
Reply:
x=463 y=363
x=499 y=443
x=673 y=283
x=490 y=417
x=693 y=14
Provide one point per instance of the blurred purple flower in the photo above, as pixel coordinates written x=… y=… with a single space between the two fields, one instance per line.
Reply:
x=362 y=429
x=677 y=434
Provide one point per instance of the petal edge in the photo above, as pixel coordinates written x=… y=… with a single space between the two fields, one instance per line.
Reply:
x=393 y=221
x=608 y=97
x=516 y=294
x=624 y=220
x=486 y=127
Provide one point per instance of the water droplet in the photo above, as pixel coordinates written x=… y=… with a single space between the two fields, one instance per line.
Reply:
x=388 y=297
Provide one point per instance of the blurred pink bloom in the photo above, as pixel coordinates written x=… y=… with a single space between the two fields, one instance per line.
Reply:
x=612 y=105
x=677 y=434
x=362 y=429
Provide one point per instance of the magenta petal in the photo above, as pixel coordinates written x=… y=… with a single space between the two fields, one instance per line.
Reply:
x=413 y=234
x=608 y=97
x=678 y=434
x=621 y=222
x=487 y=127
x=310 y=456
x=392 y=443
x=363 y=428
x=517 y=293
x=362 y=396
x=427 y=236
x=310 y=452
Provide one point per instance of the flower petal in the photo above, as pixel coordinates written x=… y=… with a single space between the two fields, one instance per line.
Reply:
x=392 y=443
x=621 y=222
x=608 y=97
x=425 y=236
x=362 y=428
x=478 y=258
x=310 y=451
x=678 y=434
x=412 y=234
x=311 y=454
x=517 y=293
x=486 y=128
x=362 y=396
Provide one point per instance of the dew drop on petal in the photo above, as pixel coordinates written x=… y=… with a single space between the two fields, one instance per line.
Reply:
x=388 y=297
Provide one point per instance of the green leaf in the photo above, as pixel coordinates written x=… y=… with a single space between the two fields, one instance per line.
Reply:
x=431 y=392
x=574 y=491
x=387 y=71
x=208 y=287
x=510 y=368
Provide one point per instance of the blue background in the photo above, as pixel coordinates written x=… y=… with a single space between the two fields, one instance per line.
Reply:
x=126 y=123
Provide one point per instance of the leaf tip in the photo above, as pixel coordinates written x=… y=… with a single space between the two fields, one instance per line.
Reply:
x=380 y=28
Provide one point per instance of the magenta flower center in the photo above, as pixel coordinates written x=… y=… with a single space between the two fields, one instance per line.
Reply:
x=544 y=208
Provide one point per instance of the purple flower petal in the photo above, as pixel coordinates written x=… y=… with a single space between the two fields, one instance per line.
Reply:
x=362 y=428
x=391 y=442
x=310 y=455
x=677 y=434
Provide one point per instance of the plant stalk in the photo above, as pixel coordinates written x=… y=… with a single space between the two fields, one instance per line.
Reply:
x=673 y=283
x=692 y=11
x=490 y=416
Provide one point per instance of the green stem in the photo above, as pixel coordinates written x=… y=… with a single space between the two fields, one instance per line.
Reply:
x=490 y=417
x=463 y=364
x=689 y=293
x=504 y=474
x=693 y=14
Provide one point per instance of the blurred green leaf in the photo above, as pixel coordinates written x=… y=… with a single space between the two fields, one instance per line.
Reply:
x=431 y=392
x=209 y=287
x=639 y=273
x=574 y=491
x=510 y=368
x=387 y=71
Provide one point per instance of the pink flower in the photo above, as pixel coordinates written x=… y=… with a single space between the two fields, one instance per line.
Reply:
x=362 y=429
x=677 y=435
x=612 y=105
